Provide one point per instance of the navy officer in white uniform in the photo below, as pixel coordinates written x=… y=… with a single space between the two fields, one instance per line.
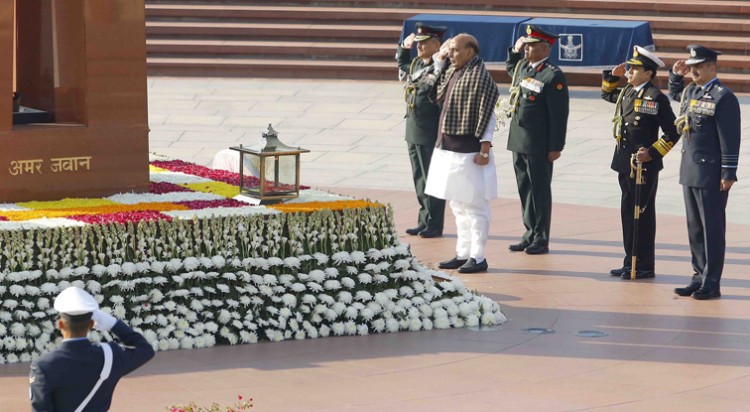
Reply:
x=79 y=375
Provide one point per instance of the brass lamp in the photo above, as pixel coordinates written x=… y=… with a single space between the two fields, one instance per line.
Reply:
x=278 y=168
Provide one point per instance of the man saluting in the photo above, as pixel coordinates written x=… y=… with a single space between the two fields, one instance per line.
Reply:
x=80 y=375
x=537 y=132
x=422 y=117
x=710 y=123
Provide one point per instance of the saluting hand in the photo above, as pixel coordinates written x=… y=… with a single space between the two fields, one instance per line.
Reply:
x=680 y=68
x=518 y=47
x=619 y=70
x=443 y=52
x=409 y=41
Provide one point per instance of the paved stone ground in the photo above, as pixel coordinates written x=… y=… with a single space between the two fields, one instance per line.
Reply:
x=661 y=352
x=355 y=132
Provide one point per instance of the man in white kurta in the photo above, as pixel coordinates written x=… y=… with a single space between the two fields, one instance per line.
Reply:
x=462 y=169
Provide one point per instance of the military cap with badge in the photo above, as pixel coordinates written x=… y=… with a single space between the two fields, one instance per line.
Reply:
x=426 y=32
x=643 y=57
x=534 y=34
x=700 y=54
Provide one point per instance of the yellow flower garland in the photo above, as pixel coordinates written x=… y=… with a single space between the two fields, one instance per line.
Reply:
x=19 y=215
x=69 y=203
x=217 y=188
x=315 y=206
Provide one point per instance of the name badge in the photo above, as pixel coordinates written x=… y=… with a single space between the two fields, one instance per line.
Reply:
x=646 y=106
x=702 y=107
x=532 y=84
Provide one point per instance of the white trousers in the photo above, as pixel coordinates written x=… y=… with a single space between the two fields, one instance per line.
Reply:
x=472 y=227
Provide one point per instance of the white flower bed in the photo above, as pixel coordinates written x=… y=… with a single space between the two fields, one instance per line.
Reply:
x=199 y=302
x=233 y=279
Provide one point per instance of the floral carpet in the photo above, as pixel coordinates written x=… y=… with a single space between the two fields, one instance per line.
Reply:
x=192 y=264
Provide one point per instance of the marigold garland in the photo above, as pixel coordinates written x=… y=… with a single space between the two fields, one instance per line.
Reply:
x=217 y=188
x=68 y=203
x=100 y=210
x=315 y=206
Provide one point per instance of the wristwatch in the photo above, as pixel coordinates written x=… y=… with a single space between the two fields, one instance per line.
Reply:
x=484 y=155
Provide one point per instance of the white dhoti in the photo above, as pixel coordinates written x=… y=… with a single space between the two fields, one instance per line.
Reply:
x=469 y=188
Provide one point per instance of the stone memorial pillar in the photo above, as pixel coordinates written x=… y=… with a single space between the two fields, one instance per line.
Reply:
x=78 y=69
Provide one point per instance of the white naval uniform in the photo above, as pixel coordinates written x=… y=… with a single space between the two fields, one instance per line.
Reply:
x=469 y=187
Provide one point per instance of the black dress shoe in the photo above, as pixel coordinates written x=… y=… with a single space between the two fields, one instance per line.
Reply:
x=619 y=272
x=639 y=274
x=415 y=230
x=536 y=249
x=688 y=290
x=703 y=294
x=518 y=247
x=471 y=266
x=454 y=263
x=429 y=233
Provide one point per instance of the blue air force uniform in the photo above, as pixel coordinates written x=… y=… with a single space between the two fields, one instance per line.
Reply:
x=710 y=123
x=641 y=111
x=60 y=380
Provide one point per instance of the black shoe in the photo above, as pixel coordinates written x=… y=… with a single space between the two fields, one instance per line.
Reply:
x=429 y=233
x=537 y=249
x=454 y=263
x=471 y=266
x=619 y=272
x=639 y=274
x=415 y=230
x=703 y=294
x=518 y=247
x=687 y=290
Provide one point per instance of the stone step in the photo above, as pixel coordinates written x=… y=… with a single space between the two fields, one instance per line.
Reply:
x=328 y=50
x=739 y=24
x=642 y=7
x=338 y=69
x=275 y=30
x=300 y=49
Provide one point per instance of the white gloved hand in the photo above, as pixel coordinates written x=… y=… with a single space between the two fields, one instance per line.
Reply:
x=103 y=320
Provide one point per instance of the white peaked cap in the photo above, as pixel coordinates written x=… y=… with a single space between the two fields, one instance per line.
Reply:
x=75 y=301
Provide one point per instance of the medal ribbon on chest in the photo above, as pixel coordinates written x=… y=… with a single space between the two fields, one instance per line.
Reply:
x=646 y=106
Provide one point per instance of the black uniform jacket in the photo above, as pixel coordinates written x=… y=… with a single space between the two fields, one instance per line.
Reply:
x=711 y=148
x=61 y=379
x=540 y=124
x=422 y=115
x=643 y=113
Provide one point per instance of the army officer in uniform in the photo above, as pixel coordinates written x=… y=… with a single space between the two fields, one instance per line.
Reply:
x=641 y=110
x=710 y=125
x=80 y=375
x=422 y=117
x=539 y=93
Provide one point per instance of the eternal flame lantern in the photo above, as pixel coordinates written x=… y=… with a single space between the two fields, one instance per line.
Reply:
x=278 y=168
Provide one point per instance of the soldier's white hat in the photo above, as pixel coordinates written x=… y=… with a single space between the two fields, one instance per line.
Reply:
x=75 y=301
x=645 y=58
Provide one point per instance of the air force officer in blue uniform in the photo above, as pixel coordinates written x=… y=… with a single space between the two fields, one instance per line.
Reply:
x=710 y=126
x=73 y=377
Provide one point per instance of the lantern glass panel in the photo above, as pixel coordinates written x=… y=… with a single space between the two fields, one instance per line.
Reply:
x=280 y=174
